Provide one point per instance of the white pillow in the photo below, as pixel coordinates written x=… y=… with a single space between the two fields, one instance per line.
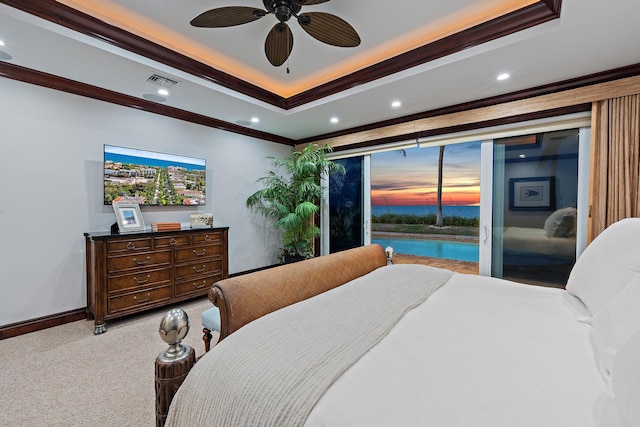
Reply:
x=615 y=323
x=561 y=223
x=626 y=381
x=607 y=264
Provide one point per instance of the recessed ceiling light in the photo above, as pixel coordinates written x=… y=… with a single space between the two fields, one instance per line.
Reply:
x=334 y=120
x=255 y=120
x=396 y=104
x=163 y=92
x=154 y=97
x=1 y=43
x=522 y=156
x=503 y=76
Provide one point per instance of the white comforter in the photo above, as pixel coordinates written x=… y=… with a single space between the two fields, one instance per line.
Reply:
x=478 y=352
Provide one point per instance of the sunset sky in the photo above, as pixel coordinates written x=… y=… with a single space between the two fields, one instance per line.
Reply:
x=413 y=180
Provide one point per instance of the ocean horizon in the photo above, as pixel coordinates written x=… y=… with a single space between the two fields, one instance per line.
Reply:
x=150 y=162
x=463 y=211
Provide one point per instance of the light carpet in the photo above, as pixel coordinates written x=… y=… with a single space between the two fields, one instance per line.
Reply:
x=66 y=376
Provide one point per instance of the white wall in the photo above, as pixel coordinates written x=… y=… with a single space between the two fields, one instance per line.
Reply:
x=51 y=190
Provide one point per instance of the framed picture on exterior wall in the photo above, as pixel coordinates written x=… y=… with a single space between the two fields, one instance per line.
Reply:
x=129 y=217
x=535 y=193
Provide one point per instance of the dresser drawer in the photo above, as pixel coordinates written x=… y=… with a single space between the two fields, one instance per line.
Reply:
x=128 y=245
x=193 y=253
x=214 y=237
x=138 y=279
x=170 y=241
x=196 y=286
x=138 y=260
x=142 y=298
x=204 y=268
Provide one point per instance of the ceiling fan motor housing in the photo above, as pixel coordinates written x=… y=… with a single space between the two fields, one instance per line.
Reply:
x=282 y=9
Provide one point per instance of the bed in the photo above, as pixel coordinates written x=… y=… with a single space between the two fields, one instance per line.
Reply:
x=417 y=345
x=535 y=241
x=556 y=238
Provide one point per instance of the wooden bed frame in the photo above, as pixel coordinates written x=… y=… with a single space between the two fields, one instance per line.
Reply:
x=245 y=298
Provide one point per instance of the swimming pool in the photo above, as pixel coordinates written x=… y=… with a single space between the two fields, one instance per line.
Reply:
x=447 y=249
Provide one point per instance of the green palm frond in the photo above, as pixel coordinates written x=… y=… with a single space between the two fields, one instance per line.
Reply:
x=291 y=193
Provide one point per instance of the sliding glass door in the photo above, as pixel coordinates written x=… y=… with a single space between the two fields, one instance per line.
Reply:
x=536 y=202
x=518 y=199
x=348 y=207
x=425 y=201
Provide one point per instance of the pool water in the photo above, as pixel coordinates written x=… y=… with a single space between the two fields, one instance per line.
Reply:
x=447 y=249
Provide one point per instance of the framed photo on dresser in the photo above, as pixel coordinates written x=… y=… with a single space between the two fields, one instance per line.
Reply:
x=129 y=217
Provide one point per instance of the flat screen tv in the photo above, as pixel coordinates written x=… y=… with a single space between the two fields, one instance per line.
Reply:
x=152 y=179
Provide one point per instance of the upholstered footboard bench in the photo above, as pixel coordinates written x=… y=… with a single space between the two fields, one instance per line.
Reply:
x=245 y=298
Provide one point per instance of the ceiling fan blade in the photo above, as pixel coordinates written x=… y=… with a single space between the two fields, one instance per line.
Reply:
x=227 y=16
x=329 y=29
x=278 y=44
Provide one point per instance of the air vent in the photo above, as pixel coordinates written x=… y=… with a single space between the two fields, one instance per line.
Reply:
x=159 y=80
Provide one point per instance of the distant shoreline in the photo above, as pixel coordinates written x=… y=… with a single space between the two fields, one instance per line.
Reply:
x=463 y=211
x=423 y=236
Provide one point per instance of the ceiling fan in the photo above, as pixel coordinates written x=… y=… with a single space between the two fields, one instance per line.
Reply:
x=324 y=27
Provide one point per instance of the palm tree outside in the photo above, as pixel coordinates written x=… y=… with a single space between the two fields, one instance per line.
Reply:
x=439 y=218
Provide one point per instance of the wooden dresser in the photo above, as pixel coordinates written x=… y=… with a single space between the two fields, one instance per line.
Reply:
x=130 y=273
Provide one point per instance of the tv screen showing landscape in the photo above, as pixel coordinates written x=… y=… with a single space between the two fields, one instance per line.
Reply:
x=151 y=178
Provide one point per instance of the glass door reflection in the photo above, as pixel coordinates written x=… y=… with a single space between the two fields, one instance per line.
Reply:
x=535 y=199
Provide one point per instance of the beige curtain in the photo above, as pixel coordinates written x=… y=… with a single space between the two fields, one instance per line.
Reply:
x=615 y=161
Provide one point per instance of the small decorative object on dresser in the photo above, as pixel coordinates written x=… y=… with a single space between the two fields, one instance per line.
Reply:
x=201 y=220
x=166 y=226
x=130 y=274
x=128 y=217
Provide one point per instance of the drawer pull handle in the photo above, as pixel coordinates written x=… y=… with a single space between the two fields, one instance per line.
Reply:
x=140 y=301
x=131 y=246
x=207 y=238
x=204 y=283
x=204 y=267
x=200 y=253
x=142 y=262
x=173 y=242
x=138 y=281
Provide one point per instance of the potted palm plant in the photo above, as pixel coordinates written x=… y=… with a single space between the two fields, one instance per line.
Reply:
x=291 y=196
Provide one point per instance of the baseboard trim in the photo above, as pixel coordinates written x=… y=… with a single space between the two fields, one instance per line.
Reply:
x=27 y=326
x=33 y=325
